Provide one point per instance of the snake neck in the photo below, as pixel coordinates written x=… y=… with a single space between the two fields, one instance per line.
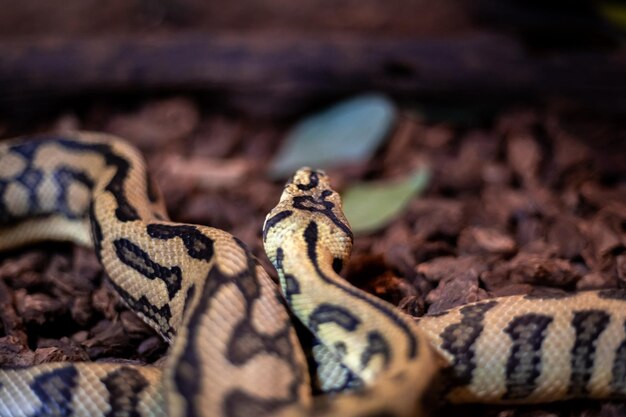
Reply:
x=308 y=239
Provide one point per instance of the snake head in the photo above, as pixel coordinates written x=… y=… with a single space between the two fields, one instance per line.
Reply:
x=309 y=183
x=309 y=209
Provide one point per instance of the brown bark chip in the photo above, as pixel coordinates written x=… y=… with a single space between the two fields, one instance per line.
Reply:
x=38 y=308
x=457 y=281
x=539 y=270
x=565 y=235
x=485 y=241
x=524 y=157
x=14 y=352
x=157 y=123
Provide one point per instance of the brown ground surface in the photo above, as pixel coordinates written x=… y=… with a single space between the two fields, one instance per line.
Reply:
x=522 y=200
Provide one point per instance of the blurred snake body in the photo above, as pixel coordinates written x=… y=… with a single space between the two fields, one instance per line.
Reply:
x=234 y=350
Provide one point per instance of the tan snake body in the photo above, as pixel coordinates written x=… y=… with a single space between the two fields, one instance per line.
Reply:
x=234 y=350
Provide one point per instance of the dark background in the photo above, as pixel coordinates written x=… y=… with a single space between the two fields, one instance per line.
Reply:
x=278 y=58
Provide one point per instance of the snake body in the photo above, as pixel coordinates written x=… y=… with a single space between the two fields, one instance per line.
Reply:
x=234 y=351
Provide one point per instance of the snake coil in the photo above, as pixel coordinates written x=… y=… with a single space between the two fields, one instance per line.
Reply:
x=234 y=350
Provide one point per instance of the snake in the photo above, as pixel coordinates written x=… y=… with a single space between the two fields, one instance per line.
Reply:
x=241 y=345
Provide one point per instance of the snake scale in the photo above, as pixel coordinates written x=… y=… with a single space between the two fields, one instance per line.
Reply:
x=234 y=350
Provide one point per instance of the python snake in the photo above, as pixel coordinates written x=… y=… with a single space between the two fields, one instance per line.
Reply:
x=234 y=350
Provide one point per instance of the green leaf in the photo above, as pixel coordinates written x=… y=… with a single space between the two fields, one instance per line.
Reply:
x=347 y=132
x=370 y=206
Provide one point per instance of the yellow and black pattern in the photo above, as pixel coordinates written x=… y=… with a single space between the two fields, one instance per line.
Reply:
x=64 y=187
x=234 y=349
x=67 y=389
x=528 y=349
x=308 y=239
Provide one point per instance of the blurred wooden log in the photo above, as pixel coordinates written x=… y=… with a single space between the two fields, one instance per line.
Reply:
x=281 y=75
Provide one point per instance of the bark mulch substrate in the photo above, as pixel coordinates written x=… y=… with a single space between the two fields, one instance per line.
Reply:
x=529 y=201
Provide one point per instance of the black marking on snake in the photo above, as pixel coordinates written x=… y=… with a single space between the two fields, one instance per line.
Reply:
x=337 y=265
x=527 y=332
x=274 y=220
x=548 y=296
x=290 y=286
x=310 y=237
x=64 y=177
x=133 y=256
x=459 y=339
x=376 y=345
x=191 y=292
x=159 y=316
x=589 y=324
x=248 y=281
x=320 y=359
x=125 y=211
x=187 y=378
x=238 y=403
x=340 y=348
x=618 y=370
x=30 y=178
x=329 y=313
x=613 y=294
x=26 y=149
x=245 y=343
x=199 y=246
x=54 y=390
x=314 y=181
x=124 y=386
x=322 y=206
x=351 y=382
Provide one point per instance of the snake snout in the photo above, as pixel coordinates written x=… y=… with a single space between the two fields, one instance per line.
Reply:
x=308 y=180
x=308 y=198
